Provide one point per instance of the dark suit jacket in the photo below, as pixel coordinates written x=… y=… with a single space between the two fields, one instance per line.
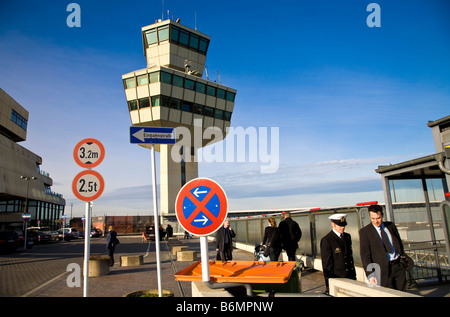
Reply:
x=337 y=256
x=290 y=233
x=372 y=249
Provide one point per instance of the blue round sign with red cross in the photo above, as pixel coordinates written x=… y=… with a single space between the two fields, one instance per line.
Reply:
x=201 y=206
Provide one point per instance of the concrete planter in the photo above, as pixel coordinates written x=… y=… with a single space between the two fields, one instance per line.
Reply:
x=99 y=265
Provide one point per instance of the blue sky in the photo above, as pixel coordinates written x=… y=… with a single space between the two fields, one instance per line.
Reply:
x=345 y=97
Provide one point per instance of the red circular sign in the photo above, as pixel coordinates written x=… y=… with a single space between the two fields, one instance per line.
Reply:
x=89 y=153
x=88 y=185
x=201 y=206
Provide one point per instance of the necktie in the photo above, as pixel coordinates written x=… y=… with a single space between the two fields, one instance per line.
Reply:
x=387 y=244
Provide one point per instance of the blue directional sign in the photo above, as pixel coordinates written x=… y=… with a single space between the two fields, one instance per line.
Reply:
x=152 y=135
x=201 y=206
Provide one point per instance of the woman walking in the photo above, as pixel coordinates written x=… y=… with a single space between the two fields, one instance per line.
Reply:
x=272 y=240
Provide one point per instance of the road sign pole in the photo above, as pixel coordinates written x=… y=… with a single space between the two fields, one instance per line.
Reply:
x=26 y=230
x=156 y=216
x=87 y=249
x=205 y=258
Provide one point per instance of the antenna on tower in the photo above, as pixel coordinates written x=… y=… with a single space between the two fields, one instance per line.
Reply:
x=206 y=71
x=195 y=18
x=218 y=74
x=162 y=11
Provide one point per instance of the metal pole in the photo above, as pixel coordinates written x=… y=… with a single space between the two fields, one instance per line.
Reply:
x=205 y=258
x=87 y=247
x=155 y=214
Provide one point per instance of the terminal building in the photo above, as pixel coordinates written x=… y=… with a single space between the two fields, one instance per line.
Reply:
x=170 y=92
x=24 y=187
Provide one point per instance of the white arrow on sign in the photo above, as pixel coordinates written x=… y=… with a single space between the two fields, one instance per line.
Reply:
x=205 y=220
x=196 y=192
x=142 y=135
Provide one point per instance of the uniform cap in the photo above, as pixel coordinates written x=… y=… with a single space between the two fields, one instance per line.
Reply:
x=339 y=219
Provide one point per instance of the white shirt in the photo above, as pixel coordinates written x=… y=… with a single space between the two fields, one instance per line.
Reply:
x=393 y=255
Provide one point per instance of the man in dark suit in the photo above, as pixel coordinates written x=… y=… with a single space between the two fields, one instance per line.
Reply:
x=290 y=235
x=380 y=243
x=224 y=243
x=336 y=251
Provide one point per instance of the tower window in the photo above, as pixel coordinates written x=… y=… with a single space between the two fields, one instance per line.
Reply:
x=151 y=37
x=144 y=103
x=163 y=33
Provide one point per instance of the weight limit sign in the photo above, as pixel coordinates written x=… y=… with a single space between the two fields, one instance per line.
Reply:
x=88 y=185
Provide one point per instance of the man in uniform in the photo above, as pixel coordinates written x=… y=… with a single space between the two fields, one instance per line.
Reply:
x=336 y=251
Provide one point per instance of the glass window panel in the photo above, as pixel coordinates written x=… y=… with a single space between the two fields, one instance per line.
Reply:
x=174 y=32
x=208 y=111
x=154 y=77
x=165 y=101
x=241 y=227
x=254 y=231
x=211 y=90
x=151 y=37
x=323 y=226
x=227 y=116
x=220 y=93
x=435 y=189
x=200 y=88
x=189 y=84
x=198 y=109
x=175 y=103
x=218 y=114
x=187 y=106
x=413 y=222
x=184 y=37
x=203 y=45
x=155 y=101
x=407 y=190
x=144 y=103
x=166 y=78
x=130 y=83
x=142 y=80
x=163 y=33
x=193 y=42
x=230 y=96
x=304 y=245
x=132 y=105
x=178 y=81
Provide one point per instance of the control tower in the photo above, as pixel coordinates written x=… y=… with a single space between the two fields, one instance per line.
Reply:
x=170 y=92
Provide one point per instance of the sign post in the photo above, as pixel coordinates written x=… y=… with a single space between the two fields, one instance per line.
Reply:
x=25 y=218
x=201 y=209
x=87 y=186
x=152 y=136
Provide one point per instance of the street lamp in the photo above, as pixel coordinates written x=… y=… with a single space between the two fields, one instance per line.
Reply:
x=26 y=206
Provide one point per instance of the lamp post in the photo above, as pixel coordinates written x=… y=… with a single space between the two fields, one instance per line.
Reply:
x=26 y=217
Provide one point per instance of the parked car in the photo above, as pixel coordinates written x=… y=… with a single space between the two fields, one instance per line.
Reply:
x=9 y=241
x=31 y=239
x=72 y=231
x=54 y=235
x=67 y=235
x=95 y=233
x=41 y=236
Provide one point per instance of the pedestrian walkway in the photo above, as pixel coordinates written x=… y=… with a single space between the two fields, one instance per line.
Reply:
x=123 y=280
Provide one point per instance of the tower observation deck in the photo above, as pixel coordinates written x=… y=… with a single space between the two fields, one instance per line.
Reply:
x=170 y=92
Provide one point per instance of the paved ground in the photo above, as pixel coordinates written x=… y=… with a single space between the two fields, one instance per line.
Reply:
x=42 y=271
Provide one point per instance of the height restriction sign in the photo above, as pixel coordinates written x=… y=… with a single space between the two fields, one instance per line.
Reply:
x=201 y=206
x=89 y=153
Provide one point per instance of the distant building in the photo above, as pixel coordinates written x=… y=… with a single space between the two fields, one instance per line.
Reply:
x=24 y=187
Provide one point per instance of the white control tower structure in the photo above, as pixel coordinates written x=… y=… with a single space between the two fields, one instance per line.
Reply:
x=170 y=92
